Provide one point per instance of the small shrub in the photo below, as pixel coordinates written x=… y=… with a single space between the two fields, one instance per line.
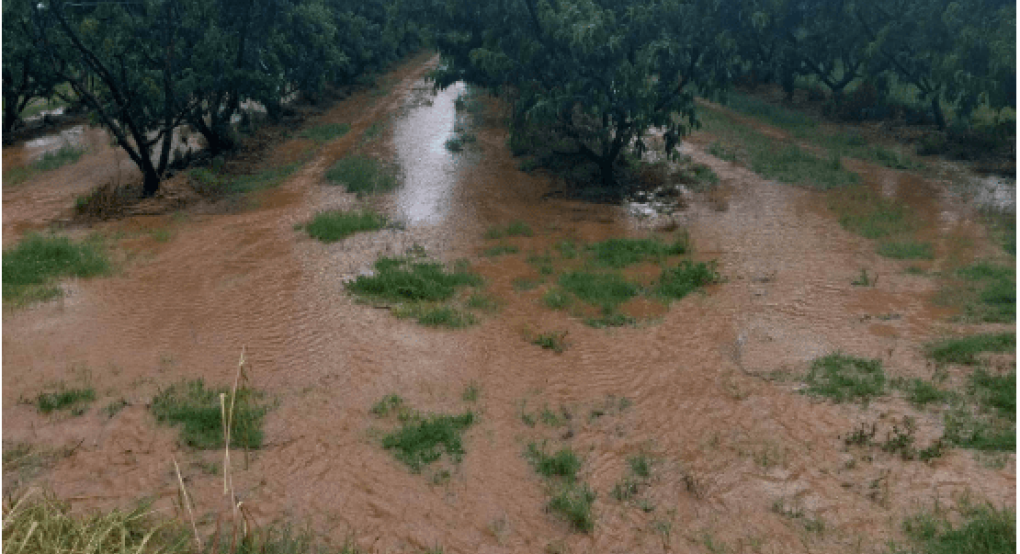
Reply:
x=964 y=350
x=907 y=250
x=198 y=412
x=326 y=132
x=841 y=378
x=421 y=441
x=333 y=226
x=66 y=399
x=362 y=175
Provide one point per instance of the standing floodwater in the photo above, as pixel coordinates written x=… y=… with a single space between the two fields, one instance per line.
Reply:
x=419 y=139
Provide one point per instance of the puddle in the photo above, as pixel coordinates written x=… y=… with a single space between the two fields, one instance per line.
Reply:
x=429 y=169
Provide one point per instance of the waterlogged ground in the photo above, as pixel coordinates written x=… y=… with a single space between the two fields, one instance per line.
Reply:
x=709 y=391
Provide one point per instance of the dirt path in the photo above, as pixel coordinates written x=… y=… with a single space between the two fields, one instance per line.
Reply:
x=730 y=442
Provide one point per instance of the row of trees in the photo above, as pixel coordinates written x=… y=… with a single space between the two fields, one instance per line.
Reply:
x=956 y=52
x=596 y=75
x=142 y=68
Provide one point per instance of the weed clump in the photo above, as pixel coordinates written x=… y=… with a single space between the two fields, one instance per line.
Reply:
x=333 y=226
x=325 y=133
x=199 y=413
x=842 y=378
x=564 y=463
x=993 y=298
x=618 y=253
x=423 y=440
x=557 y=342
x=574 y=502
x=406 y=280
x=514 y=229
x=964 y=350
x=606 y=290
x=679 y=281
x=30 y=267
x=907 y=250
x=362 y=175
x=67 y=399
x=985 y=530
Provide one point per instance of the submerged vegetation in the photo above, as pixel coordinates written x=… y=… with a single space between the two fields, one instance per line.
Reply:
x=199 y=413
x=333 y=226
x=363 y=175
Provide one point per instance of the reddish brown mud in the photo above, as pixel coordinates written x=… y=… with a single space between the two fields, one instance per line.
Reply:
x=729 y=437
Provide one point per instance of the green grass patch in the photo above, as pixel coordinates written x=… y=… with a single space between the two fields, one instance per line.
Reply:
x=197 y=411
x=640 y=465
x=363 y=175
x=846 y=378
x=721 y=151
x=921 y=393
x=792 y=121
x=514 y=229
x=796 y=166
x=555 y=341
x=907 y=250
x=67 y=154
x=423 y=440
x=995 y=392
x=427 y=315
x=984 y=530
x=17 y=175
x=618 y=253
x=678 y=281
x=605 y=290
x=525 y=284
x=866 y=213
x=73 y=400
x=965 y=350
x=325 y=133
x=564 y=463
x=30 y=267
x=567 y=249
x=333 y=226
x=556 y=299
x=501 y=250
x=482 y=302
x=263 y=180
x=574 y=502
x=609 y=319
x=989 y=292
x=407 y=280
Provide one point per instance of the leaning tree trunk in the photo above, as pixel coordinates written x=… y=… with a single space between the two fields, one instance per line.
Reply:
x=936 y=108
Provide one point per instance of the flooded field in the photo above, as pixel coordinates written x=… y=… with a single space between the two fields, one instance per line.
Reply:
x=708 y=390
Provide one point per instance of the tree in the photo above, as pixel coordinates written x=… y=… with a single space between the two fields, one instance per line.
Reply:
x=131 y=51
x=26 y=75
x=600 y=74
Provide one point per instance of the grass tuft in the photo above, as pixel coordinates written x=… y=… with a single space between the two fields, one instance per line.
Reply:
x=606 y=290
x=363 y=175
x=618 y=253
x=842 y=378
x=552 y=341
x=333 y=226
x=501 y=250
x=574 y=502
x=564 y=463
x=514 y=229
x=907 y=250
x=405 y=280
x=325 y=133
x=964 y=350
x=421 y=441
x=985 y=530
x=67 y=154
x=66 y=399
x=30 y=267
x=197 y=411
x=679 y=281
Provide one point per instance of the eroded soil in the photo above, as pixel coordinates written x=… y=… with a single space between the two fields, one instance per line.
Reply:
x=730 y=438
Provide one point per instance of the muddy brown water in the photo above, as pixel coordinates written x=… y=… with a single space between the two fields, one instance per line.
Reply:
x=728 y=439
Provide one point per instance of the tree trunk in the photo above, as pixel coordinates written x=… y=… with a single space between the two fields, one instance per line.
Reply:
x=150 y=185
x=936 y=108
